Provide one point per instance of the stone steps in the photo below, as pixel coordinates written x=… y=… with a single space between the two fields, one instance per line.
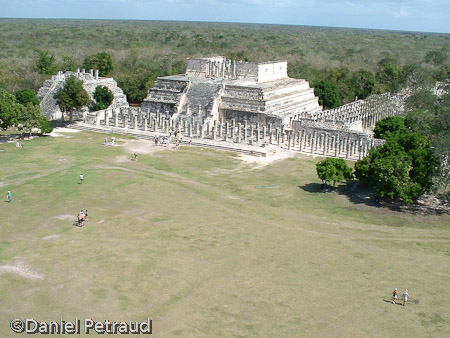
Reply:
x=149 y=135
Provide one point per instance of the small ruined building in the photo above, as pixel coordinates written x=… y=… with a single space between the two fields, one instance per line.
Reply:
x=216 y=88
x=90 y=81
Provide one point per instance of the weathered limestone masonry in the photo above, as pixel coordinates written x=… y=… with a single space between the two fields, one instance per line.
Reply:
x=240 y=104
x=216 y=88
x=90 y=81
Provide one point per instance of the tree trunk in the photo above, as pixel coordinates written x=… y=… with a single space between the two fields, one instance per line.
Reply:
x=71 y=116
x=62 y=118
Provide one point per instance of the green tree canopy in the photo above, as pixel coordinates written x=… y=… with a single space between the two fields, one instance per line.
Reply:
x=9 y=109
x=68 y=64
x=101 y=61
x=328 y=94
x=389 y=126
x=71 y=96
x=30 y=117
x=390 y=75
x=45 y=63
x=25 y=96
x=103 y=97
x=435 y=57
x=402 y=168
x=363 y=83
x=333 y=170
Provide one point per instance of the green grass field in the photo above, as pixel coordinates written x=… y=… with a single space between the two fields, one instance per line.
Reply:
x=208 y=246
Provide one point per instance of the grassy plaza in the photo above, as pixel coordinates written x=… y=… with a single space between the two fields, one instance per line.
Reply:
x=209 y=245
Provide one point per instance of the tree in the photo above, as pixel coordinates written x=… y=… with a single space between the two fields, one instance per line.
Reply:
x=328 y=94
x=389 y=126
x=72 y=96
x=135 y=86
x=363 y=83
x=9 y=109
x=435 y=57
x=390 y=75
x=68 y=64
x=101 y=61
x=333 y=170
x=45 y=63
x=402 y=168
x=103 y=97
x=30 y=117
x=25 y=96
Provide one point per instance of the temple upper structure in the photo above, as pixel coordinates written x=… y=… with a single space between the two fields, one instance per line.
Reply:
x=220 y=67
x=214 y=88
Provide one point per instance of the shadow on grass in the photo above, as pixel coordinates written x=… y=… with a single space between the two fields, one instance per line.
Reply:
x=390 y=301
x=312 y=187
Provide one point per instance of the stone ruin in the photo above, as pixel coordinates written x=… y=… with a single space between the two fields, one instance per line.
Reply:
x=247 y=107
x=90 y=80
x=216 y=88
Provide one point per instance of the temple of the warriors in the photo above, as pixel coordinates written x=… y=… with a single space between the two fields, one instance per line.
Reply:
x=216 y=88
x=252 y=108
x=90 y=80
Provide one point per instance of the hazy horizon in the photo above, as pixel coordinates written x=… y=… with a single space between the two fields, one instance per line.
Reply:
x=431 y=16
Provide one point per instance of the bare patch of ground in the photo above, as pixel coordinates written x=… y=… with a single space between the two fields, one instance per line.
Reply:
x=260 y=162
x=65 y=217
x=20 y=269
x=56 y=132
x=46 y=238
x=142 y=146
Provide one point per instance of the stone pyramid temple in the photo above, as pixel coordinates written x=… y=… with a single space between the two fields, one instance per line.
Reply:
x=90 y=80
x=216 y=88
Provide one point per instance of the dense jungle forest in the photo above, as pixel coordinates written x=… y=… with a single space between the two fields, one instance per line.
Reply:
x=342 y=62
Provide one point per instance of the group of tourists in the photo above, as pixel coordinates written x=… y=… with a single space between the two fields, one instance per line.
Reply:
x=113 y=141
x=82 y=217
x=395 y=296
x=162 y=140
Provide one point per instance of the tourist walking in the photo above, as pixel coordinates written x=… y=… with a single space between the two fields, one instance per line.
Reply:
x=135 y=156
x=80 y=220
x=394 y=296
x=9 y=196
x=86 y=215
x=81 y=178
x=405 y=297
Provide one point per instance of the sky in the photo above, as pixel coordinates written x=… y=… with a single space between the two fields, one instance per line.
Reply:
x=403 y=15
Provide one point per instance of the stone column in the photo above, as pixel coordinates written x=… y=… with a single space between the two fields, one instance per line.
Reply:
x=145 y=124
x=313 y=141
x=245 y=130
x=232 y=130
x=201 y=127
x=214 y=133
x=189 y=129
x=116 y=119
x=227 y=127
x=289 y=141
x=251 y=131
x=264 y=133
x=135 y=122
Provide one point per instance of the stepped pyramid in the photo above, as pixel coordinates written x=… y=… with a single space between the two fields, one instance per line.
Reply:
x=45 y=94
x=214 y=88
